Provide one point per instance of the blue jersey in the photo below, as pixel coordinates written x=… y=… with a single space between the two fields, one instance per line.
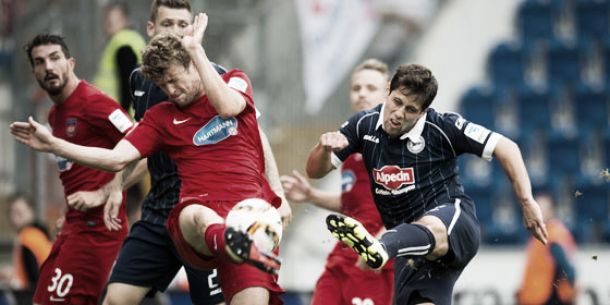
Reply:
x=417 y=171
x=165 y=184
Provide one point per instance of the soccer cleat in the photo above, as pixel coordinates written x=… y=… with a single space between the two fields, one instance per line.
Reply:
x=352 y=233
x=242 y=250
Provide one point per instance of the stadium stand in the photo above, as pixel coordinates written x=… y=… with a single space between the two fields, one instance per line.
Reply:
x=562 y=119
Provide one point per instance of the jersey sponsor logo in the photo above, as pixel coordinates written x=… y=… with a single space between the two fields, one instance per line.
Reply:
x=393 y=177
x=476 y=132
x=178 y=122
x=416 y=148
x=138 y=93
x=63 y=164
x=120 y=120
x=348 y=179
x=216 y=130
x=384 y=192
x=371 y=138
x=71 y=127
x=238 y=84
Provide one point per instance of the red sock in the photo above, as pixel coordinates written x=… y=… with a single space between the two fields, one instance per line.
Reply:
x=215 y=240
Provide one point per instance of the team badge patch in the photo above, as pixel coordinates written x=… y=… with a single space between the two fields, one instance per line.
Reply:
x=120 y=120
x=216 y=130
x=238 y=84
x=393 y=177
x=71 y=127
x=416 y=148
x=459 y=123
x=476 y=132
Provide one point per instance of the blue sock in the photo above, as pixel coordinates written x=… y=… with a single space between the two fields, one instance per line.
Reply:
x=408 y=240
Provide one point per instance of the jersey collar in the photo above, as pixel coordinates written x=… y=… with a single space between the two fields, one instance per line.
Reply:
x=414 y=134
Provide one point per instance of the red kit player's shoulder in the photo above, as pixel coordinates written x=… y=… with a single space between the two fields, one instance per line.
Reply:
x=162 y=108
x=93 y=94
x=160 y=112
x=237 y=79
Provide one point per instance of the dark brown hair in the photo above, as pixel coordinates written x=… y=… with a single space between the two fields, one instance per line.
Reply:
x=174 y=4
x=46 y=39
x=417 y=81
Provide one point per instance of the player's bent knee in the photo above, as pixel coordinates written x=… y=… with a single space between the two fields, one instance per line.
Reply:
x=439 y=231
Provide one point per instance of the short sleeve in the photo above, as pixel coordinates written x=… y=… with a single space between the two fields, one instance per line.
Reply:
x=239 y=81
x=146 y=137
x=350 y=129
x=108 y=118
x=469 y=137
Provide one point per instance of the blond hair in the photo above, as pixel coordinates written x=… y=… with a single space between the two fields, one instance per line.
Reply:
x=373 y=64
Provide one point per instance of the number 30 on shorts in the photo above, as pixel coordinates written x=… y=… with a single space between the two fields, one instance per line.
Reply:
x=61 y=283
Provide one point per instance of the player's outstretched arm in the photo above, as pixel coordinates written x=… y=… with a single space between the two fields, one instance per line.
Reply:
x=319 y=160
x=509 y=155
x=226 y=101
x=38 y=137
x=299 y=190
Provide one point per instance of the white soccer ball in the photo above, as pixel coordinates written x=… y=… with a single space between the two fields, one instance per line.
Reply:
x=260 y=220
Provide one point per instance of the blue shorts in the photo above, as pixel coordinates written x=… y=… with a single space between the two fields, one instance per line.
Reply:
x=418 y=279
x=148 y=259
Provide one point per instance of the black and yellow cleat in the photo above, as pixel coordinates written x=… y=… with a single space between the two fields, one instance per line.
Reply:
x=242 y=250
x=352 y=233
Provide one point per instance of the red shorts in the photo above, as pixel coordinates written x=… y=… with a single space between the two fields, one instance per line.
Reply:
x=233 y=277
x=79 y=264
x=345 y=284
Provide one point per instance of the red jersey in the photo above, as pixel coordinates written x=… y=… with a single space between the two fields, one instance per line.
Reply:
x=87 y=117
x=356 y=202
x=218 y=159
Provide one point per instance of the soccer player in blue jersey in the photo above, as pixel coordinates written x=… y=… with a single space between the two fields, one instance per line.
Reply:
x=410 y=152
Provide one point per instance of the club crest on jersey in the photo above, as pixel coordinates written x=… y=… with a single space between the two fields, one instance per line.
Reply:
x=71 y=127
x=348 y=179
x=393 y=177
x=416 y=148
x=216 y=130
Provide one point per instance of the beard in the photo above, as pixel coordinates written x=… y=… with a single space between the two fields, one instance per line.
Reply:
x=53 y=89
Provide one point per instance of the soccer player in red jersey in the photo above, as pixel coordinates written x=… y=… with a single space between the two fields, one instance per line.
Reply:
x=346 y=279
x=210 y=131
x=79 y=263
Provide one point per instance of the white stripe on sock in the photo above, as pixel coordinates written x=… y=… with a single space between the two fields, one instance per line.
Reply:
x=414 y=250
x=413 y=253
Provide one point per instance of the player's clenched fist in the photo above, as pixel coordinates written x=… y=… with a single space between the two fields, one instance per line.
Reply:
x=333 y=141
x=319 y=162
